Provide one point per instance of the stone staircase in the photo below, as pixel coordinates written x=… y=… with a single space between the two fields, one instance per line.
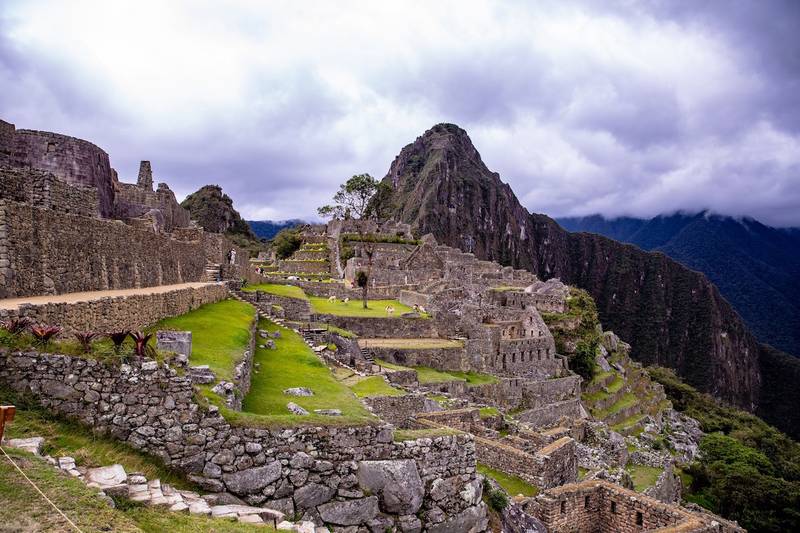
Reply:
x=213 y=272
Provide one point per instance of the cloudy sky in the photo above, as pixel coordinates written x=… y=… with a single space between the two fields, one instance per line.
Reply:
x=632 y=108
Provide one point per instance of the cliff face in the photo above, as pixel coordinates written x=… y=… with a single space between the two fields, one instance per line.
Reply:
x=672 y=316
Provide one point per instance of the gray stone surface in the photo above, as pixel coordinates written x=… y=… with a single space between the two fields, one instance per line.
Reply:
x=254 y=479
x=311 y=495
x=396 y=483
x=350 y=512
x=296 y=409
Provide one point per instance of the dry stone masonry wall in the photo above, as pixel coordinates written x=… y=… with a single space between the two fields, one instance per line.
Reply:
x=345 y=476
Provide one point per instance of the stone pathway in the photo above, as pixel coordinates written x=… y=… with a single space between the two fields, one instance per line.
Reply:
x=72 y=297
x=112 y=481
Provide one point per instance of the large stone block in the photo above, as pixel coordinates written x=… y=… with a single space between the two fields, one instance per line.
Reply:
x=179 y=342
x=350 y=512
x=252 y=480
x=397 y=483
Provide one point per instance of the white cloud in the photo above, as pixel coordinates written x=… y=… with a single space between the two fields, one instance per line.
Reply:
x=580 y=109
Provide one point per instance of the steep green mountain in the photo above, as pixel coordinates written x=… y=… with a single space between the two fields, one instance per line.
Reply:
x=267 y=229
x=672 y=316
x=213 y=210
x=756 y=267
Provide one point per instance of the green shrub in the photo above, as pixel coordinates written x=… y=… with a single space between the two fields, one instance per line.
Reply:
x=286 y=242
x=497 y=500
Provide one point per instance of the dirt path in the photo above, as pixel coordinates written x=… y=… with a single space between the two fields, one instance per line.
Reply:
x=14 y=303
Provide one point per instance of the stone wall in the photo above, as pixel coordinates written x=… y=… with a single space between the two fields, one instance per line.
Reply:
x=468 y=419
x=133 y=200
x=47 y=252
x=601 y=507
x=400 y=410
x=340 y=475
x=438 y=358
x=131 y=312
x=293 y=308
x=552 y=414
x=382 y=327
x=42 y=189
x=554 y=465
x=71 y=160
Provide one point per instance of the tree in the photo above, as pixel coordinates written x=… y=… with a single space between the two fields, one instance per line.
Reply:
x=286 y=242
x=353 y=201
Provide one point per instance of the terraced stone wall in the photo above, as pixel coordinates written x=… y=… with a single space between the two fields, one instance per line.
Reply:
x=47 y=252
x=382 y=328
x=346 y=476
x=132 y=312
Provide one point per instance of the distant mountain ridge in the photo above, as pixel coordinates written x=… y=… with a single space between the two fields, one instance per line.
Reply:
x=755 y=266
x=672 y=315
x=267 y=229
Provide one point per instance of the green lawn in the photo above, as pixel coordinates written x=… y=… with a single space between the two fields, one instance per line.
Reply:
x=488 y=412
x=374 y=386
x=644 y=476
x=23 y=509
x=220 y=334
x=68 y=438
x=512 y=484
x=429 y=375
x=375 y=309
x=294 y=364
x=627 y=400
x=289 y=291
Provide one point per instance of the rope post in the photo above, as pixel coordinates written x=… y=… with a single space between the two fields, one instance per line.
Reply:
x=7 y=413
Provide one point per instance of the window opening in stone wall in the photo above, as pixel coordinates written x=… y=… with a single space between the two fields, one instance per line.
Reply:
x=614 y=507
x=586 y=502
x=563 y=507
x=639 y=518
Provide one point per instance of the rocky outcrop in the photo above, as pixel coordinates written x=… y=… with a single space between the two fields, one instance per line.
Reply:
x=213 y=210
x=671 y=315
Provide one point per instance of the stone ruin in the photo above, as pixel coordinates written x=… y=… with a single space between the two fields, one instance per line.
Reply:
x=67 y=224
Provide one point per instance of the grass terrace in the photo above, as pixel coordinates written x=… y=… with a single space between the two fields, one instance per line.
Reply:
x=429 y=433
x=374 y=386
x=429 y=375
x=510 y=483
x=294 y=364
x=220 y=334
x=643 y=476
x=288 y=291
x=355 y=307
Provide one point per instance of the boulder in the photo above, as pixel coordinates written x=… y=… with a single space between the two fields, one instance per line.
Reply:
x=179 y=342
x=32 y=444
x=106 y=476
x=252 y=480
x=397 y=483
x=470 y=520
x=296 y=409
x=299 y=391
x=328 y=412
x=312 y=494
x=350 y=512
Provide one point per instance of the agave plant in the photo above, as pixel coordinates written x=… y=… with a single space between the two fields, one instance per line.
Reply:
x=85 y=339
x=140 y=344
x=44 y=334
x=15 y=326
x=118 y=337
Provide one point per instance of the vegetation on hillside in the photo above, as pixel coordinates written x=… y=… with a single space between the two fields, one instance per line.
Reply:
x=749 y=471
x=287 y=242
x=576 y=332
